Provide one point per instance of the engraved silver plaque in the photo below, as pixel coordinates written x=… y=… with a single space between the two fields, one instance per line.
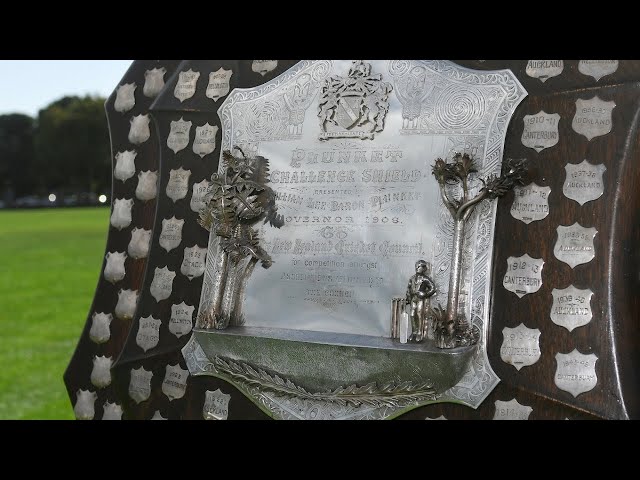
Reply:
x=140 y=384
x=178 y=137
x=216 y=405
x=121 y=215
x=171 y=234
x=583 y=182
x=264 y=66
x=540 y=130
x=219 y=84
x=153 y=81
x=511 y=410
x=186 y=86
x=181 y=321
x=125 y=97
x=571 y=307
x=593 y=117
x=198 y=194
x=193 y=262
x=114 y=269
x=100 y=331
x=204 y=142
x=574 y=245
x=162 y=283
x=157 y=416
x=148 y=334
x=101 y=372
x=543 y=70
x=126 y=306
x=530 y=203
x=597 y=68
x=84 y=408
x=125 y=166
x=139 y=243
x=178 y=184
x=175 y=381
x=147 y=187
x=524 y=275
x=112 y=411
x=520 y=346
x=576 y=372
x=139 y=129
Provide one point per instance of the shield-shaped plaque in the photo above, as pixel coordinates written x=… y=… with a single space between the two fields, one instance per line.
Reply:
x=574 y=245
x=139 y=243
x=121 y=215
x=125 y=166
x=162 y=283
x=543 y=70
x=153 y=81
x=571 y=307
x=524 y=275
x=597 y=68
x=264 y=66
x=148 y=334
x=147 y=185
x=171 y=234
x=114 y=269
x=112 y=411
x=216 y=405
x=520 y=346
x=181 y=321
x=125 y=98
x=157 y=416
x=540 y=130
x=204 y=142
x=175 y=381
x=511 y=410
x=583 y=182
x=140 y=384
x=530 y=203
x=198 y=195
x=85 y=404
x=593 y=117
x=126 y=306
x=100 y=331
x=576 y=372
x=178 y=137
x=139 y=130
x=178 y=184
x=186 y=86
x=219 y=82
x=193 y=262
x=101 y=372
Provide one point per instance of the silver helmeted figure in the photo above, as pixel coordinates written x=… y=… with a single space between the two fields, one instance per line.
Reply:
x=419 y=290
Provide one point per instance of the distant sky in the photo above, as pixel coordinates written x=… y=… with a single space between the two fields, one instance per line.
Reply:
x=26 y=86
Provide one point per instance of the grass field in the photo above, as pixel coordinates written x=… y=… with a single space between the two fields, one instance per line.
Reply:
x=49 y=265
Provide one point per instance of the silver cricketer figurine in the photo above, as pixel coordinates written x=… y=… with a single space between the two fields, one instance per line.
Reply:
x=420 y=288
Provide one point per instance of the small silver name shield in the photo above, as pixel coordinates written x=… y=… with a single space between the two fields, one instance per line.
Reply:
x=200 y=190
x=175 y=381
x=194 y=262
x=100 y=331
x=216 y=405
x=147 y=188
x=584 y=181
x=153 y=81
x=101 y=372
x=511 y=410
x=126 y=305
x=139 y=244
x=171 y=234
x=593 y=117
x=114 y=269
x=530 y=203
x=178 y=184
x=140 y=384
x=121 y=215
x=524 y=275
x=162 y=283
x=139 y=129
x=597 y=68
x=574 y=245
x=186 y=86
x=85 y=404
x=112 y=411
x=540 y=130
x=219 y=83
x=181 y=319
x=148 y=334
x=521 y=346
x=576 y=372
x=125 y=98
x=205 y=141
x=571 y=307
x=178 y=137
x=125 y=166
x=543 y=70
x=264 y=66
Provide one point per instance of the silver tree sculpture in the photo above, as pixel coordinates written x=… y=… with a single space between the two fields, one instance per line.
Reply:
x=237 y=199
x=451 y=329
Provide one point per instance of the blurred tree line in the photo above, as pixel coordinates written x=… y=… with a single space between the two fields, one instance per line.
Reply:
x=65 y=150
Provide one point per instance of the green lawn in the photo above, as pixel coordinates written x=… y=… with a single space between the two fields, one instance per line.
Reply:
x=50 y=260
